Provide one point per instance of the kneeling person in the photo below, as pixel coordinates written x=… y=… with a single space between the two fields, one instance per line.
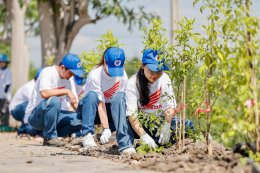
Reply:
x=103 y=102
x=45 y=108
x=150 y=91
x=19 y=103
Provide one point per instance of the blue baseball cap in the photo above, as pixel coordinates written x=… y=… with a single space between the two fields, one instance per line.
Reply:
x=4 y=58
x=80 y=80
x=38 y=73
x=151 y=59
x=73 y=63
x=115 y=58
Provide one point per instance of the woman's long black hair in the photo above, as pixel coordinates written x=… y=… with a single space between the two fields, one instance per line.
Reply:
x=102 y=61
x=143 y=87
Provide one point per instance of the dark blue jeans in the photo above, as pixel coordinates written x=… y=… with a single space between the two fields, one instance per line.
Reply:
x=18 y=113
x=48 y=117
x=87 y=110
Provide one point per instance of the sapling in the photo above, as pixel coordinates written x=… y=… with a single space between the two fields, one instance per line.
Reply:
x=91 y=58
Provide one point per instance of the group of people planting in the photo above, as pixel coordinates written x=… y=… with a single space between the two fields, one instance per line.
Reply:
x=64 y=100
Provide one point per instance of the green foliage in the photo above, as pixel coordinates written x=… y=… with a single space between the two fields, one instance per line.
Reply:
x=144 y=149
x=218 y=66
x=255 y=156
x=50 y=60
x=151 y=121
x=32 y=72
x=184 y=62
x=107 y=40
x=5 y=49
x=131 y=67
x=194 y=135
x=122 y=11
x=32 y=17
x=156 y=38
x=93 y=57
x=226 y=68
x=90 y=59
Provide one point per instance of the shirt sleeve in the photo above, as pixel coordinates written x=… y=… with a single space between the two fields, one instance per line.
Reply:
x=95 y=85
x=45 y=81
x=8 y=77
x=168 y=95
x=131 y=99
x=123 y=82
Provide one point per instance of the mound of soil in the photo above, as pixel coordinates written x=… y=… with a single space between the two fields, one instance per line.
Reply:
x=191 y=158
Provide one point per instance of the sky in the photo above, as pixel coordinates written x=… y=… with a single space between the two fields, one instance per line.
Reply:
x=133 y=40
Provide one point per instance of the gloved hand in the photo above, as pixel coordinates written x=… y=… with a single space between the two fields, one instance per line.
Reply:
x=105 y=136
x=148 y=140
x=165 y=133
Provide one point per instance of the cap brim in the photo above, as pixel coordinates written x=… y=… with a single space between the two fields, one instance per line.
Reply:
x=155 y=67
x=116 y=72
x=79 y=72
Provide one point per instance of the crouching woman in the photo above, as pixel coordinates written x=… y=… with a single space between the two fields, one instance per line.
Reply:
x=150 y=92
x=103 y=102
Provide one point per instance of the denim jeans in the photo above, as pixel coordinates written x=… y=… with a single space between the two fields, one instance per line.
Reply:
x=68 y=123
x=4 y=112
x=19 y=111
x=87 y=110
x=18 y=114
x=48 y=117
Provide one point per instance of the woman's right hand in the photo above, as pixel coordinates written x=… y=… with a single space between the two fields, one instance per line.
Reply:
x=148 y=140
x=72 y=97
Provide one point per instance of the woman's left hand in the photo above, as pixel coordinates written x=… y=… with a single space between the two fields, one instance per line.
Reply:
x=165 y=133
x=106 y=134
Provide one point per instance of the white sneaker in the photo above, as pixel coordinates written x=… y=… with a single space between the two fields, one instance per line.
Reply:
x=88 y=141
x=128 y=151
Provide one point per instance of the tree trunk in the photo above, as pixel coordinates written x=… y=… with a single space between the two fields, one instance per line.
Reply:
x=184 y=110
x=59 y=24
x=47 y=32
x=19 y=50
x=253 y=89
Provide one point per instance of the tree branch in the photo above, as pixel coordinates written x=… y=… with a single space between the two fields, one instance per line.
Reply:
x=25 y=5
x=5 y=40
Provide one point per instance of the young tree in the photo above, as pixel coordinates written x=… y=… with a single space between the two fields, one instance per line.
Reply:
x=230 y=57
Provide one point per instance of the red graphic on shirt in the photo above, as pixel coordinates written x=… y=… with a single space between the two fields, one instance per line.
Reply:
x=111 y=91
x=153 y=99
x=61 y=87
x=81 y=93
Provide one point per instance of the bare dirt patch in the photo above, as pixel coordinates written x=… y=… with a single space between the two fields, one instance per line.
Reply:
x=192 y=158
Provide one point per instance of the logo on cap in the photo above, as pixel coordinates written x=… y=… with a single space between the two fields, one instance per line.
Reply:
x=117 y=63
x=79 y=64
x=156 y=57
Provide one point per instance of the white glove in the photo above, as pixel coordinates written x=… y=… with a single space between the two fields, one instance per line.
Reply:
x=148 y=140
x=105 y=136
x=165 y=134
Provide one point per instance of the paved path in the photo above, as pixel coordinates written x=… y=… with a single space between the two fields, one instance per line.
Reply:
x=29 y=156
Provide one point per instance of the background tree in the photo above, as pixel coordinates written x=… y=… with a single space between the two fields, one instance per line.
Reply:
x=13 y=19
x=60 y=21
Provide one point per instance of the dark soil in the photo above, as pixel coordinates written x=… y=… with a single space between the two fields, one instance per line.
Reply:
x=191 y=158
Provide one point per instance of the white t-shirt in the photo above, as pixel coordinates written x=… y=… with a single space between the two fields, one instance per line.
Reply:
x=22 y=95
x=5 y=79
x=78 y=91
x=49 y=79
x=161 y=96
x=104 y=85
